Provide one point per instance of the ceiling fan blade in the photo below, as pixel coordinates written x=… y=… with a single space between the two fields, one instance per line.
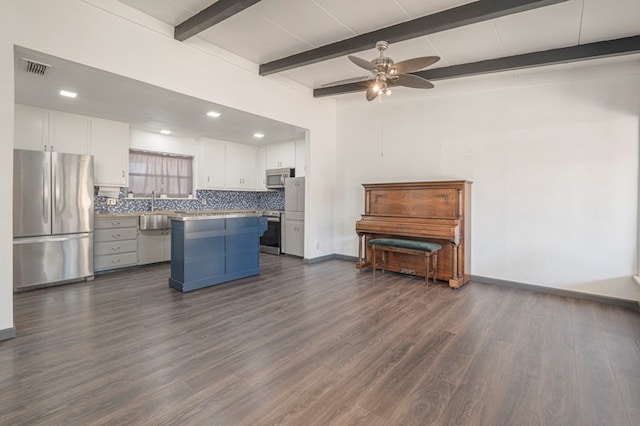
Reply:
x=371 y=93
x=410 y=80
x=363 y=63
x=347 y=81
x=415 y=64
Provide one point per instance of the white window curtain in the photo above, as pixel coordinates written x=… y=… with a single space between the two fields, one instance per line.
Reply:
x=167 y=174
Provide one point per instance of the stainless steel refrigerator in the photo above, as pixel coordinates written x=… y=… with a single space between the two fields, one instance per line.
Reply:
x=52 y=218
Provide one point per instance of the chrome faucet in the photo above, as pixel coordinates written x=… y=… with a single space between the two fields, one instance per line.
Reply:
x=153 y=201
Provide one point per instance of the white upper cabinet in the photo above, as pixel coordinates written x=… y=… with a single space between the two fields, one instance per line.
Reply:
x=110 y=150
x=261 y=175
x=294 y=194
x=31 y=128
x=68 y=133
x=46 y=130
x=211 y=164
x=281 y=155
x=301 y=161
x=241 y=166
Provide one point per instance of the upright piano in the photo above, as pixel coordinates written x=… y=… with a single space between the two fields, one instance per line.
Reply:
x=437 y=211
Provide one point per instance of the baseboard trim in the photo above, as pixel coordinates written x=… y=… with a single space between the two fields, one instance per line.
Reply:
x=624 y=303
x=333 y=256
x=7 y=333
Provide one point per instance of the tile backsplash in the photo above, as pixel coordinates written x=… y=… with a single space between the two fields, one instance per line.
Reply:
x=213 y=200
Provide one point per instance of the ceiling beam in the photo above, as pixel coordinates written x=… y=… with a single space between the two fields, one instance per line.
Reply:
x=466 y=14
x=206 y=18
x=600 y=49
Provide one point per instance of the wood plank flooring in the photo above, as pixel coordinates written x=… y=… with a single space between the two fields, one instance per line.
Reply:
x=315 y=344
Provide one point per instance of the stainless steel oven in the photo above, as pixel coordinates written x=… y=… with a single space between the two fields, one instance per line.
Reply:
x=270 y=241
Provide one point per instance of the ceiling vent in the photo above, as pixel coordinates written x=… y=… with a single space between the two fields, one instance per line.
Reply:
x=35 y=67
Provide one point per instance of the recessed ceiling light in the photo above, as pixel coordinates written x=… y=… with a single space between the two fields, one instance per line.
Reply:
x=258 y=135
x=213 y=114
x=68 y=94
x=165 y=132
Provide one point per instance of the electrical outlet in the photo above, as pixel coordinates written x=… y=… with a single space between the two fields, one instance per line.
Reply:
x=111 y=201
x=204 y=201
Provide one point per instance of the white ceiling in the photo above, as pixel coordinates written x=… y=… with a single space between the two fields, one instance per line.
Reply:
x=272 y=29
x=105 y=95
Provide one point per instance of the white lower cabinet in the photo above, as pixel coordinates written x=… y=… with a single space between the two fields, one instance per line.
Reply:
x=294 y=237
x=115 y=243
x=154 y=246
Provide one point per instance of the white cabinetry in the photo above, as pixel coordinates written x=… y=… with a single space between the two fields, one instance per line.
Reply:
x=280 y=155
x=211 y=164
x=241 y=166
x=108 y=141
x=68 y=133
x=294 y=236
x=110 y=150
x=294 y=195
x=261 y=175
x=31 y=128
x=294 y=216
x=115 y=242
x=154 y=246
x=301 y=160
x=44 y=130
x=226 y=165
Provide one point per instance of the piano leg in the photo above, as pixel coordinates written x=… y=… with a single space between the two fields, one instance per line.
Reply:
x=454 y=282
x=458 y=277
x=362 y=262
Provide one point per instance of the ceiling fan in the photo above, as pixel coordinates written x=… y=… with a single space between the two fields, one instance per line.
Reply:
x=386 y=73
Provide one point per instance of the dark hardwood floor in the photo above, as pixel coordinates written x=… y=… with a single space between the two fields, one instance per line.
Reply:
x=315 y=344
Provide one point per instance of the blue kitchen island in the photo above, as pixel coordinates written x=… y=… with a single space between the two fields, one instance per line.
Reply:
x=211 y=249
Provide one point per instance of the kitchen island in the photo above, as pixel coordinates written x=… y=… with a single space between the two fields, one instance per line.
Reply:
x=210 y=249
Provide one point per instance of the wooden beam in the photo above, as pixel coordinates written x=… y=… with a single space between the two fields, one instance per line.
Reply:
x=600 y=49
x=466 y=14
x=206 y=18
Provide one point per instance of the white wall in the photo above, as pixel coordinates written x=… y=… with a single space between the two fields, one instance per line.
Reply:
x=108 y=35
x=6 y=167
x=554 y=160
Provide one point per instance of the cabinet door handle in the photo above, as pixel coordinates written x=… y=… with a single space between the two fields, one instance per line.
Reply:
x=115 y=235
x=123 y=174
x=115 y=248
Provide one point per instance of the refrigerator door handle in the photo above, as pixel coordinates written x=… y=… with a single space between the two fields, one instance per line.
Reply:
x=45 y=192
x=69 y=237
x=55 y=193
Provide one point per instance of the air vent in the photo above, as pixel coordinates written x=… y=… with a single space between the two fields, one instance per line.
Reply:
x=35 y=66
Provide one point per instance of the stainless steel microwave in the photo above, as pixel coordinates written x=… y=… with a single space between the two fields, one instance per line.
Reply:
x=275 y=177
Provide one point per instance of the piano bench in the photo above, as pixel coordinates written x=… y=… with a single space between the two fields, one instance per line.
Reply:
x=412 y=247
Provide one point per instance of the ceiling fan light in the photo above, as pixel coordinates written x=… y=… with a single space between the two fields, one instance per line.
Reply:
x=376 y=88
x=387 y=92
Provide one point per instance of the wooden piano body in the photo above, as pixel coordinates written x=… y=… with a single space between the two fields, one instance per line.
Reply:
x=438 y=211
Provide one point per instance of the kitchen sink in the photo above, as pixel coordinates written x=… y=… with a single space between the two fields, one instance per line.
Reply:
x=154 y=221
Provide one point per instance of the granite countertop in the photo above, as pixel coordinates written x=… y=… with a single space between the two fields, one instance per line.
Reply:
x=179 y=213
x=216 y=215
